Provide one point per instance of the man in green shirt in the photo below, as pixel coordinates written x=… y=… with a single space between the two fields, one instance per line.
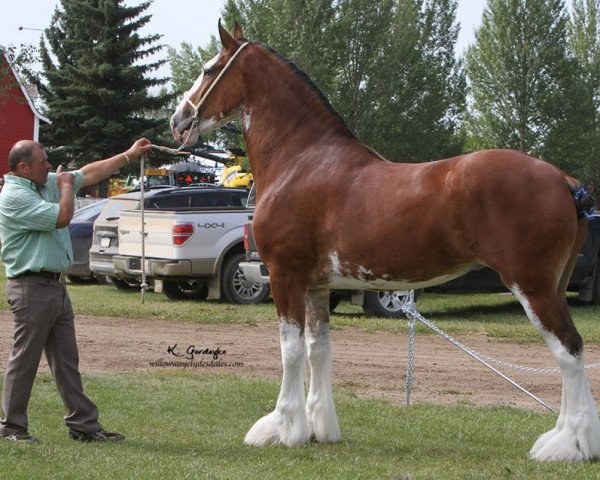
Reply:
x=36 y=206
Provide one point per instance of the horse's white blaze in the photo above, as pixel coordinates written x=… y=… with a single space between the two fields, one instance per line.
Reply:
x=186 y=103
x=211 y=63
x=287 y=424
x=320 y=409
x=576 y=435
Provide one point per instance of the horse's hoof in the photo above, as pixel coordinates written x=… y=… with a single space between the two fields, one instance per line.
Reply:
x=564 y=445
x=323 y=425
x=275 y=429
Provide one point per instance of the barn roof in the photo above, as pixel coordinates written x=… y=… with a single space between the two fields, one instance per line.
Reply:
x=23 y=88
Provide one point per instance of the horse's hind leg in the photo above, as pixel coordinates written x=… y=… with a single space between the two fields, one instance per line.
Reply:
x=287 y=424
x=576 y=435
x=320 y=409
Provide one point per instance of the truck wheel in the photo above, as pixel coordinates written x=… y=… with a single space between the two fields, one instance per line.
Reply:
x=385 y=303
x=234 y=286
x=186 y=290
x=334 y=300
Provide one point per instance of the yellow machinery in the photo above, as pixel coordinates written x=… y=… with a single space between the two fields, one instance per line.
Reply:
x=154 y=176
x=233 y=176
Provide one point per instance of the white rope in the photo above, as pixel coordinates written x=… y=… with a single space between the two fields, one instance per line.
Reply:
x=144 y=285
x=412 y=327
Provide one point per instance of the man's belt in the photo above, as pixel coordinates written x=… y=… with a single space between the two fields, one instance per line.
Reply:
x=48 y=275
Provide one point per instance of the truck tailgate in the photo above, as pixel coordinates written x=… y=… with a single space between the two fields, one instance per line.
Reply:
x=211 y=228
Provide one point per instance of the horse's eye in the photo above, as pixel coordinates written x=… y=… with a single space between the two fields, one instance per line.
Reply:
x=208 y=72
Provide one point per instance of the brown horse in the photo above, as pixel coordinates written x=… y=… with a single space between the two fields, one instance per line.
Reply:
x=332 y=213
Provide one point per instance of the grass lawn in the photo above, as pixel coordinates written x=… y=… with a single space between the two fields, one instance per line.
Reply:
x=496 y=315
x=183 y=424
x=189 y=425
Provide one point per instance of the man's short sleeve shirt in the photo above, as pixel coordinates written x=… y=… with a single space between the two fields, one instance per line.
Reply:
x=28 y=214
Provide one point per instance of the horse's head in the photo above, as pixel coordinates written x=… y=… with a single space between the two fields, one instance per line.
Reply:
x=216 y=94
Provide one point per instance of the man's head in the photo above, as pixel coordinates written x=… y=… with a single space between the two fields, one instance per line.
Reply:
x=28 y=159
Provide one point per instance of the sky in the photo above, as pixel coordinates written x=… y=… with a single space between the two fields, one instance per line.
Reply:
x=192 y=21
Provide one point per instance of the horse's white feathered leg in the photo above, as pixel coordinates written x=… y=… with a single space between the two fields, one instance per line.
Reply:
x=287 y=424
x=576 y=436
x=320 y=409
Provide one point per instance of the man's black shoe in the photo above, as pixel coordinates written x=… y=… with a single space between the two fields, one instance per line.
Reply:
x=23 y=437
x=99 y=436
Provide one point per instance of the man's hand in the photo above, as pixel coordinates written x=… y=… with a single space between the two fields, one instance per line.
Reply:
x=139 y=148
x=64 y=179
x=65 y=182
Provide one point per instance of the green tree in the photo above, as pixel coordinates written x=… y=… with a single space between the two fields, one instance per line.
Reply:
x=418 y=85
x=361 y=31
x=522 y=83
x=584 y=45
x=302 y=31
x=21 y=59
x=388 y=66
x=94 y=84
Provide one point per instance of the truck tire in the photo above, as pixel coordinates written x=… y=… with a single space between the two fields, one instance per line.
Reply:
x=185 y=290
x=387 y=303
x=234 y=286
x=334 y=300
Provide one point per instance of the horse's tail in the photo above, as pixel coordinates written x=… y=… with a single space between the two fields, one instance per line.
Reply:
x=582 y=195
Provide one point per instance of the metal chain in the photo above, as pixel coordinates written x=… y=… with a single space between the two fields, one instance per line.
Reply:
x=189 y=133
x=411 y=312
x=144 y=285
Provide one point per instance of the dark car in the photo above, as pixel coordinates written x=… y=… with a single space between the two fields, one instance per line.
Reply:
x=585 y=278
x=81 y=231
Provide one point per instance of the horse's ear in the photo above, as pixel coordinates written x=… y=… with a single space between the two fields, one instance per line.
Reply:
x=226 y=39
x=237 y=32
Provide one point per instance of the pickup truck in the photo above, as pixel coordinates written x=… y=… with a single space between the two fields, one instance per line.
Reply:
x=585 y=279
x=193 y=245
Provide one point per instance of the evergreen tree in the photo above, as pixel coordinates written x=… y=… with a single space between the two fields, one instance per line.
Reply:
x=94 y=85
x=522 y=81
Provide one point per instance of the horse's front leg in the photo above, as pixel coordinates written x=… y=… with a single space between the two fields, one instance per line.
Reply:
x=287 y=424
x=320 y=409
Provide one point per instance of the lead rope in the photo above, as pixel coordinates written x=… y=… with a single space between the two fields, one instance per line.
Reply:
x=144 y=285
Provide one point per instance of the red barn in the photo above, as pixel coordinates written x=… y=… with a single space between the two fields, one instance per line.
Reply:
x=19 y=119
